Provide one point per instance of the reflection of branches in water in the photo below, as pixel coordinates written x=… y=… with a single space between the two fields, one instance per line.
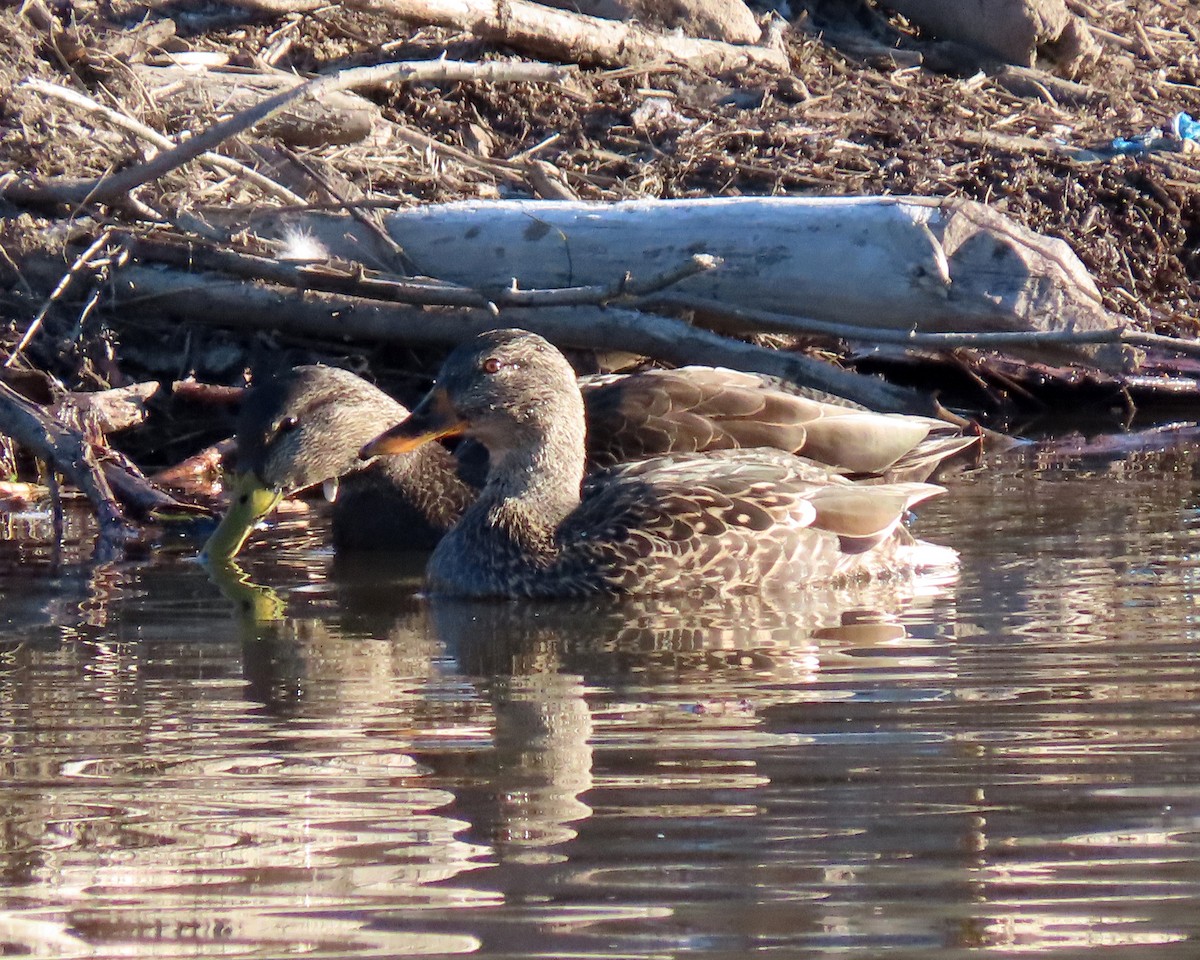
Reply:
x=47 y=581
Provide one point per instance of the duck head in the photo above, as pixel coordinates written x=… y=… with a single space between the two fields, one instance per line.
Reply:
x=294 y=430
x=509 y=389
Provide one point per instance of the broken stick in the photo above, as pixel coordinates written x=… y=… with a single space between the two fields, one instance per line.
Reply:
x=68 y=452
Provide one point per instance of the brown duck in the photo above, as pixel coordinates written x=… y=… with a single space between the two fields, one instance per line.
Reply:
x=305 y=427
x=734 y=520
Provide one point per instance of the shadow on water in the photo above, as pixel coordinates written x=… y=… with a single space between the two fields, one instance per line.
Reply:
x=317 y=760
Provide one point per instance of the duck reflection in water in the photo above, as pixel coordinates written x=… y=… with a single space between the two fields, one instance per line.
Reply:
x=381 y=745
x=549 y=680
x=557 y=676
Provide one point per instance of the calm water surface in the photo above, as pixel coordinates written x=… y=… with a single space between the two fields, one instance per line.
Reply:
x=1006 y=762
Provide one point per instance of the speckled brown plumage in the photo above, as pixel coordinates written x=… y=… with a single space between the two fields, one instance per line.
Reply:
x=696 y=409
x=729 y=521
x=305 y=426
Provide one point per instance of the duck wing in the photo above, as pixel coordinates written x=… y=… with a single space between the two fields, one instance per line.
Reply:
x=697 y=409
x=686 y=411
x=735 y=520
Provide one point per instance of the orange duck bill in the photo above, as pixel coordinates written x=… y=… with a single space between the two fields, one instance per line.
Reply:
x=434 y=417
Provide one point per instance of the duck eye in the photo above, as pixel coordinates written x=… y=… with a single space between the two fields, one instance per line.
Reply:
x=288 y=424
x=492 y=365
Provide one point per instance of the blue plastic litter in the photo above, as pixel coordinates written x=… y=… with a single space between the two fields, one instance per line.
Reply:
x=1142 y=143
x=1186 y=128
x=1183 y=127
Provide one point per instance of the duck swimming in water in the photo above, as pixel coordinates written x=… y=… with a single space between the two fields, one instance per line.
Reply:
x=734 y=520
x=305 y=426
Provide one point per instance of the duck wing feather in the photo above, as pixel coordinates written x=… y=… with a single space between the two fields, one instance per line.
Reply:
x=729 y=521
x=695 y=409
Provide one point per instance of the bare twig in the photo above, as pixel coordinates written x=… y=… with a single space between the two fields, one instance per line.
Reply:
x=9 y=262
x=149 y=134
x=207 y=393
x=121 y=183
x=631 y=290
x=510 y=170
x=61 y=288
x=57 y=520
x=548 y=181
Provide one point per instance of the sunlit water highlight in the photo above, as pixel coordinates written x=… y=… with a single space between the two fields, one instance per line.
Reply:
x=1005 y=762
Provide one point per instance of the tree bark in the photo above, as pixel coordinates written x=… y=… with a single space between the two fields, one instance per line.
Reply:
x=892 y=263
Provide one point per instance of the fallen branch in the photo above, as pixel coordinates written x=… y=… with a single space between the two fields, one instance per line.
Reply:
x=199 y=472
x=207 y=393
x=1029 y=81
x=14 y=492
x=732 y=319
x=67 y=451
x=138 y=493
x=561 y=34
x=106 y=477
x=74 y=191
x=419 y=291
x=111 y=410
x=215 y=301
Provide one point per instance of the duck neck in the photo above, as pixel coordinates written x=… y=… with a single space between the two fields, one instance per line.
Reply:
x=428 y=479
x=533 y=487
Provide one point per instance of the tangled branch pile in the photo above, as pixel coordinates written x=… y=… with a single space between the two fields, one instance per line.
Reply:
x=133 y=137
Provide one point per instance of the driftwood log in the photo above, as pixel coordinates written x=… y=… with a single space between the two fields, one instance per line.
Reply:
x=729 y=20
x=559 y=34
x=888 y=263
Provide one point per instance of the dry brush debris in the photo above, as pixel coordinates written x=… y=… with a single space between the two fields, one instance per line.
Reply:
x=138 y=172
